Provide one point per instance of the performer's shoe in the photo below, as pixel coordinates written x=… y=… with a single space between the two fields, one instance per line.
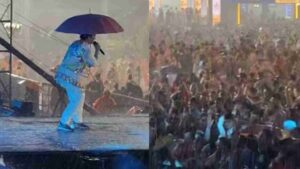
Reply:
x=80 y=126
x=64 y=127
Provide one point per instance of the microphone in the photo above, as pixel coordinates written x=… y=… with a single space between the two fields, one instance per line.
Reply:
x=97 y=46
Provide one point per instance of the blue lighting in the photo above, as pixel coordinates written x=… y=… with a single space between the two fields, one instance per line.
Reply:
x=127 y=161
x=289 y=125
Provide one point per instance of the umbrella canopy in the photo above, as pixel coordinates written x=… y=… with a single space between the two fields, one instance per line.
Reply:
x=90 y=24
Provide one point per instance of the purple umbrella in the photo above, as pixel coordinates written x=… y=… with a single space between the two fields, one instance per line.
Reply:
x=90 y=24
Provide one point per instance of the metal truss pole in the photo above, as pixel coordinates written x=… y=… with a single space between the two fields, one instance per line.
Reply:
x=8 y=89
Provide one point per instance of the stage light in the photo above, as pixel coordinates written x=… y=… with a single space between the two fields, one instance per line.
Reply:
x=21 y=82
x=289 y=125
x=15 y=26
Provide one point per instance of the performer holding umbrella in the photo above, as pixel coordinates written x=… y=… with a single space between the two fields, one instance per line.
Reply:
x=76 y=60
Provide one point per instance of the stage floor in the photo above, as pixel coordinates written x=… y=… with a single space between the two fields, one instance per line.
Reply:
x=108 y=133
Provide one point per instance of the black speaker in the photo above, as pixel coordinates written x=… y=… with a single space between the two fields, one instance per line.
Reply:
x=22 y=108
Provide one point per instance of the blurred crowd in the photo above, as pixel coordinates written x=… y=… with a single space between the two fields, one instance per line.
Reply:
x=224 y=97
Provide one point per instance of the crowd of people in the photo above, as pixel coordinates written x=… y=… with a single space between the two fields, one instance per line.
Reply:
x=224 y=97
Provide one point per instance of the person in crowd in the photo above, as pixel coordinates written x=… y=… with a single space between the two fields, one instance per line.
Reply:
x=105 y=103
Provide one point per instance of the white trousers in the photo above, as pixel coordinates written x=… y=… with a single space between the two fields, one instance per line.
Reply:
x=74 y=110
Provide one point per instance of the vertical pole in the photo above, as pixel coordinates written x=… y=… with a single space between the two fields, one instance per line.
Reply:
x=10 y=53
x=238 y=14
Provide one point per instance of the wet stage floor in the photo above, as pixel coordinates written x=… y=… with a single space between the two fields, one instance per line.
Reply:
x=107 y=133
